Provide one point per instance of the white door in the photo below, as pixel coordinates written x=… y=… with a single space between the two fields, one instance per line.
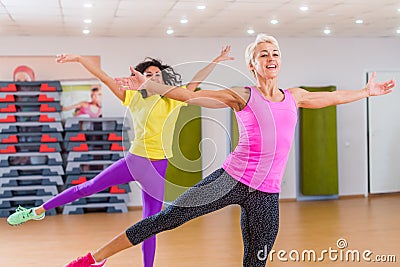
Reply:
x=384 y=138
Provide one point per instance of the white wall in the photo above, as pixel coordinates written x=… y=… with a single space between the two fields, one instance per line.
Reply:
x=308 y=61
x=384 y=152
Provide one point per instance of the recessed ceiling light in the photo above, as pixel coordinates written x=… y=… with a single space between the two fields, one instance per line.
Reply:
x=303 y=8
x=184 y=21
x=86 y=31
x=250 y=31
x=327 y=31
x=398 y=31
x=87 y=21
x=398 y=9
x=170 y=31
x=274 y=21
x=88 y=5
x=201 y=7
x=359 y=21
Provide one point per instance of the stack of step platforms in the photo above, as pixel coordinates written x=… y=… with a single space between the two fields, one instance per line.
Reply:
x=31 y=164
x=93 y=144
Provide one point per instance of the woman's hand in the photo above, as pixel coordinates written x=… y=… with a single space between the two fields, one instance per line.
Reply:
x=224 y=54
x=133 y=82
x=375 y=89
x=64 y=58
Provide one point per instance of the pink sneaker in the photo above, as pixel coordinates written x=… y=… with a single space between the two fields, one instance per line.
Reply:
x=85 y=261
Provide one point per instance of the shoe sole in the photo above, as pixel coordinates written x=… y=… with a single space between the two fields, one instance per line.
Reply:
x=18 y=224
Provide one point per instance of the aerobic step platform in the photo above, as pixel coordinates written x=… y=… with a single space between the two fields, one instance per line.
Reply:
x=96 y=207
x=95 y=124
x=27 y=127
x=96 y=145
x=31 y=180
x=24 y=201
x=34 y=137
x=29 y=116
x=81 y=167
x=34 y=190
x=30 y=158
x=45 y=170
x=96 y=136
x=12 y=97
x=79 y=178
x=29 y=107
x=95 y=155
x=30 y=147
x=37 y=86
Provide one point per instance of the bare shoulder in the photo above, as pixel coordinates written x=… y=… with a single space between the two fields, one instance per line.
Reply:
x=242 y=92
x=239 y=89
x=84 y=104
x=240 y=95
x=296 y=91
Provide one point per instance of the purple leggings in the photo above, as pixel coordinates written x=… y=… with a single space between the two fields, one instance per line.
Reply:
x=150 y=175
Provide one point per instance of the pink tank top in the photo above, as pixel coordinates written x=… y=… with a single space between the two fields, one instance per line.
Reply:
x=266 y=131
x=88 y=111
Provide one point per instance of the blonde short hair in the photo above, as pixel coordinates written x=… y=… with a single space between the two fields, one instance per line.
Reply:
x=261 y=38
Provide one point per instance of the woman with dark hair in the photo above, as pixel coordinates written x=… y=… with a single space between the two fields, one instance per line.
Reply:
x=169 y=76
x=154 y=120
x=251 y=175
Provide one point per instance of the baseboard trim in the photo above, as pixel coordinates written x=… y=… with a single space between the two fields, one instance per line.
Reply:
x=352 y=196
x=391 y=194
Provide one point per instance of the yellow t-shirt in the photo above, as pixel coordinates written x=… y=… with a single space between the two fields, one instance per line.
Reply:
x=154 y=119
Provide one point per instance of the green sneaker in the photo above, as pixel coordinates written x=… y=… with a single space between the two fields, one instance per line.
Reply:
x=22 y=215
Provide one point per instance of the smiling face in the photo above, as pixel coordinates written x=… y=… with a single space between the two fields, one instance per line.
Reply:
x=266 y=61
x=154 y=73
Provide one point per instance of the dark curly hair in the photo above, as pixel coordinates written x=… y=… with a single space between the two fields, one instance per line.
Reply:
x=169 y=75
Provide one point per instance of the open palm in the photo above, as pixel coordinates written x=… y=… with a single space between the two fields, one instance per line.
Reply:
x=224 y=54
x=133 y=82
x=376 y=89
x=64 y=58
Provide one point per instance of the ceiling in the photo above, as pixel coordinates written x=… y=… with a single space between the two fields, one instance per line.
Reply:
x=220 y=18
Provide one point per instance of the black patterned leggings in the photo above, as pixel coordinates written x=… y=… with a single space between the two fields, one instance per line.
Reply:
x=259 y=216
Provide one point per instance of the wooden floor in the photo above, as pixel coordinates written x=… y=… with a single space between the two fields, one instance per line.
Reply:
x=214 y=240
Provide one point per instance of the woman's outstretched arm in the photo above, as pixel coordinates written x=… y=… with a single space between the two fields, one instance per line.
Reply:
x=202 y=74
x=235 y=98
x=306 y=99
x=95 y=70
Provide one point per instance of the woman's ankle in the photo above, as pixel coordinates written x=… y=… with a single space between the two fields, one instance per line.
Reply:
x=39 y=210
